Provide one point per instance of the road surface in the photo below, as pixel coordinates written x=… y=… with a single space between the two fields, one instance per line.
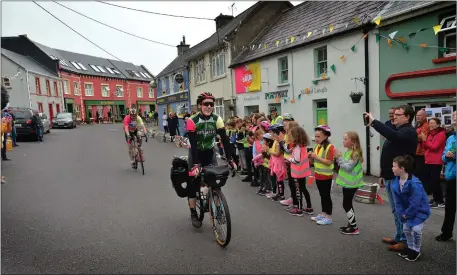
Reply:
x=72 y=204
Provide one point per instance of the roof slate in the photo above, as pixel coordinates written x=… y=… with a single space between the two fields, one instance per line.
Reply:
x=210 y=43
x=309 y=16
x=88 y=60
x=395 y=8
x=27 y=63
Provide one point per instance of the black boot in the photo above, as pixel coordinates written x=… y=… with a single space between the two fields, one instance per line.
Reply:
x=196 y=222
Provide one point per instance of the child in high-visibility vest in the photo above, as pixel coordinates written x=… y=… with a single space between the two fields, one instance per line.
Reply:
x=350 y=177
x=323 y=157
x=266 y=178
x=299 y=170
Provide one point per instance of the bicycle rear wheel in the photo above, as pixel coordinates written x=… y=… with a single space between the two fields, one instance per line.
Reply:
x=220 y=217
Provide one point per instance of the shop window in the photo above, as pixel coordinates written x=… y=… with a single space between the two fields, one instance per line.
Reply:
x=283 y=68
x=447 y=35
x=219 y=107
x=321 y=61
x=321 y=112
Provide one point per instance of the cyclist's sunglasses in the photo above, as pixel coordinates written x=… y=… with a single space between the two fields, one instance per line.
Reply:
x=208 y=103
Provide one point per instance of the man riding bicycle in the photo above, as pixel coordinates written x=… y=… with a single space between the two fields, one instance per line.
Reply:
x=201 y=129
x=131 y=124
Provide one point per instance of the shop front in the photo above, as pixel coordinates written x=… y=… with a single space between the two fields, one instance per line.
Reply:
x=117 y=108
x=177 y=103
x=69 y=105
x=146 y=106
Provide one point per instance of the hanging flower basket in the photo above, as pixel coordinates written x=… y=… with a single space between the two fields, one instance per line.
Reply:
x=355 y=97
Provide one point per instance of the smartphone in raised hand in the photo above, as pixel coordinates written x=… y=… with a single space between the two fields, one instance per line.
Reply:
x=366 y=120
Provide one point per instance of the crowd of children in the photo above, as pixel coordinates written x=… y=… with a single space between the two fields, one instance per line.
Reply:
x=271 y=150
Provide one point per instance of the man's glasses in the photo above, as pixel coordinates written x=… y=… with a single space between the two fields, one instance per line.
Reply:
x=208 y=104
x=398 y=114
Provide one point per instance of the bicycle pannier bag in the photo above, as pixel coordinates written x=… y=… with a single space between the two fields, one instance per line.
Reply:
x=179 y=176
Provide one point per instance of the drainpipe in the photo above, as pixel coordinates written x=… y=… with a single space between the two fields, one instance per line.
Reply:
x=231 y=76
x=28 y=87
x=367 y=106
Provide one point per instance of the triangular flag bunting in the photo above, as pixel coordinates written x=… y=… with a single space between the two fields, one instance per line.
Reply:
x=277 y=42
x=346 y=25
x=260 y=45
x=323 y=76
x=377 y=20
x=292 y=39
x=411 y=35
x=307 y=90
x=392 y=35
x=309 y=34
x=443 y=50
x=299 y=96
x=264 y=46
x=437 y=28
x=389 y=42
x=285 y=100
x=342 y=58
x=333 y=68
x=292 y=101
x=405 y=46
x=353 y=48
x=421 y=30
x=402 y=39
x=356 y=20
x=423 y=45
x=315 y=82
x=323 y=31
x=378 y=37
x=331 y=28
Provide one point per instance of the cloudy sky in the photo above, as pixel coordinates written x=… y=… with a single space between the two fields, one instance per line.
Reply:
x=28 y=18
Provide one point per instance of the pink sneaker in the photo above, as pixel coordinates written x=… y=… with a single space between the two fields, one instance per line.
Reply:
x=286 y=202
x=296 y=212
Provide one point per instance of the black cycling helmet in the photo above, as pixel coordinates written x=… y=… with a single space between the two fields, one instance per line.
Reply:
x=203 y=96
x=273 y=109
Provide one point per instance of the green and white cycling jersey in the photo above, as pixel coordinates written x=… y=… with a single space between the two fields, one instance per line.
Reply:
x=205 y=128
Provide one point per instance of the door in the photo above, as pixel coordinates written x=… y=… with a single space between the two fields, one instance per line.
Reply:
x=248 y=110
x=121 y=111
x=51 y=113
x=70 y=108
x=57 y=108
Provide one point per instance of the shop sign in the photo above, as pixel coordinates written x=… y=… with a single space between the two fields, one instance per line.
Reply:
x=251 y=98
x=309 y=91
x=274 y=95
x=173 y=98
x=179 y=78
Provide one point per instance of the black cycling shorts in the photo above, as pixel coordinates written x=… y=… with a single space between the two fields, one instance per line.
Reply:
x=132 y=135
x=207 y=157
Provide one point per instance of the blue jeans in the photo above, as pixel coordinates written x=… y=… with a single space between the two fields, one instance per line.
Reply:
x=399 y=234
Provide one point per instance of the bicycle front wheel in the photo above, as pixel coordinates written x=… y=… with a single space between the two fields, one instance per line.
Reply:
x=140 y=160
x=220 y=218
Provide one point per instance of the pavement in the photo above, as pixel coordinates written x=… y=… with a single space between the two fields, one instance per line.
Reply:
x=72 y=204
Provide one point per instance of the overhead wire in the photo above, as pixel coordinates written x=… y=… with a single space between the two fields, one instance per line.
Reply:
x=77 y=32
x=104 y=24
x=156 y=13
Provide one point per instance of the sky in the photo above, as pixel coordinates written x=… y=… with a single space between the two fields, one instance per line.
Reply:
x=24 y=17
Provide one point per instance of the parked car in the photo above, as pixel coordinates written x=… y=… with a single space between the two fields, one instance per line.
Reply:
x=24 y=121
x=64 y=120
x=46 y=122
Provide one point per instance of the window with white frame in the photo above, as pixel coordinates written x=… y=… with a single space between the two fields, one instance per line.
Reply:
x=88 y=89
x=139 y=92
x=283 y=68
x=76 y=88
x=447 y=35
x=6 y=82
x=119 y=91
x=219 y=107
x=200 y=71
x=66 y=88
x=151 y=92
x=321 y=60
x=172 y=84
x=105 y=90
x=218 y=64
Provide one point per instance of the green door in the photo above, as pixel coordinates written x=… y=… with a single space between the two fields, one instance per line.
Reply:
x=321 y=116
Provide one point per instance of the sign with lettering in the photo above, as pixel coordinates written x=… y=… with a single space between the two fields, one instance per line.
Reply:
x=173 y=98
x=251 y=98
x=247 y=78
x=273 y=95
x=179 y=78
x=309 y=91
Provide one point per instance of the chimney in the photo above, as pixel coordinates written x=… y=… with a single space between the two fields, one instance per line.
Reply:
x=222 y=20
x=182 y=47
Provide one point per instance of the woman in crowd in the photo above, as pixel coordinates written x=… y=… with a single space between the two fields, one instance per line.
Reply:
x=350 y=177
x=323 y=158
x=411 y=205
x=433 y=145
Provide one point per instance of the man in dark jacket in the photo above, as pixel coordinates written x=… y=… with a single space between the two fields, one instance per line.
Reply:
x=400 y=142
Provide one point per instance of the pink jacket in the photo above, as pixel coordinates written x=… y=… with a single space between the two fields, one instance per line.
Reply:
x=434 y=146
